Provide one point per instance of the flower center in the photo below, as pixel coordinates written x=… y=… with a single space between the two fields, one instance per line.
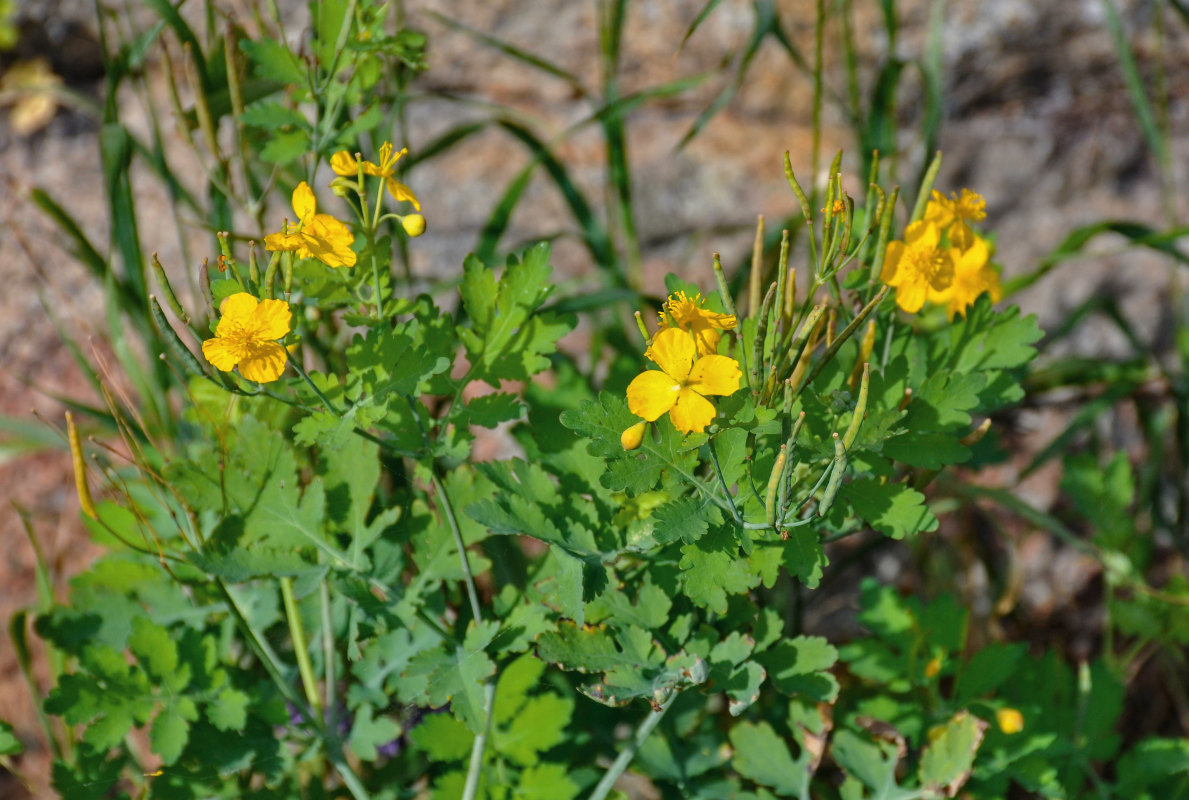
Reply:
x=926 y=264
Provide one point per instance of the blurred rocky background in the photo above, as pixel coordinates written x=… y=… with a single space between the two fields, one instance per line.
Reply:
x=1036 y=118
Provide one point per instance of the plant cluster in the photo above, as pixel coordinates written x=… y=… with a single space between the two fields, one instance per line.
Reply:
x=313 y=588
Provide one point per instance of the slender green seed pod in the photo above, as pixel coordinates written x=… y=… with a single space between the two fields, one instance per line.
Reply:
x=781 y=275
x=839 y=467
x=847 y=332
x=860 y=410
x=253 y=267
x=270 y=274
x=918 y=210
x=773 y=486
x=167 y=289
x=806 y=209
x=755 y=277
x=172 y=340
x=758 y=359
x=804 y=345
x=204 y=283
x=885 y=231
x=287 y=270
x=723 y=289
x=789 y=462
x=790 y=294
x=80 y=469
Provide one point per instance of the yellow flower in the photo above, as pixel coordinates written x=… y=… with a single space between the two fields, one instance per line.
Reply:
x=917 y=266
x=319 y=236
x=955 y=213
x=344 y=164
x=973 y=275
x=246 y=337
x=1010 y=720
x=682 y=383
x=686 y=313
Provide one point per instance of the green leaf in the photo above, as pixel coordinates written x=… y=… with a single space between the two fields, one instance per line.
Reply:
x=273 y=60
x=894 y=509
x=10 y=745
x=490 y=410
x=229 y=710
x=540 y=725
x=368 y=732
x=804 y=556
x=546 y=782
x=284 y=147
x=443 y=738
x=800 y=667
x=455 y=675
x=508 y=337
x=988 y=669
x=171 y=729
x=928 y=450
x=633 y=665
x=271 y=115
x=391 y=360
x=761 y=756
x=686 y=519
x=871 y=763
x=947 y=761
x=712 y=569
x=158 y=653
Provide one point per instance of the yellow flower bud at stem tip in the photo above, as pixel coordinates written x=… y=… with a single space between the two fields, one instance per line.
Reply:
x=633 y=437
x=414 y=225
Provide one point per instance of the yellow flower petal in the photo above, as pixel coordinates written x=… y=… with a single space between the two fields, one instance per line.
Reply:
x=223 y=354
x=402 y=193
x=673 y=351
x=891 y=262
x=692 y=412
x=264 y=362
x=329 y=240
x=304 y=204
x=651 y=394
x=911 y=296
x=271 y=319
x=343 y=163
x=715 y=375
x=632 y=437
x=237 y=311
x=283 y=241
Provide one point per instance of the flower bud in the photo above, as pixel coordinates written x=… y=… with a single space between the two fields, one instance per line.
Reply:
x=343 y=187
x=1010 y=720
x=414 y=224
x=632 y=437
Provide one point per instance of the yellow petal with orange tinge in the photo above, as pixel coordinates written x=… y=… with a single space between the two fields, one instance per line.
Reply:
x=272 y=319
x=343 y=163
x=651 y=394
x=221 y=353
x=304 y=204
x=264 y=363
x=715 y=375
x=237 y=311
x=402 y=193
x=673 y=350
x=692 y=412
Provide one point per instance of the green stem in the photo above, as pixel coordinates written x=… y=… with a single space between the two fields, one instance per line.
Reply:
x=328 y=651
x=625 y=757
x=300 y=650
x=480 y=743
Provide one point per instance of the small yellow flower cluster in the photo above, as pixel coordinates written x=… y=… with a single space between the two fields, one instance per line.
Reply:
x=248 y=330
x=690 y=370
x=941 y=258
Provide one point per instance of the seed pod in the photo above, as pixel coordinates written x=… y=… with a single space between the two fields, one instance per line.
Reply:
x=839 y=467
x=170 y=297
x=782 y=267
x=270 y=274
x=758 y=360
x=860 y=410
x=757 y=267
x=80 y=469
x=976 y=435
x=773 y=486
x=723 y=289
x=171 y=338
